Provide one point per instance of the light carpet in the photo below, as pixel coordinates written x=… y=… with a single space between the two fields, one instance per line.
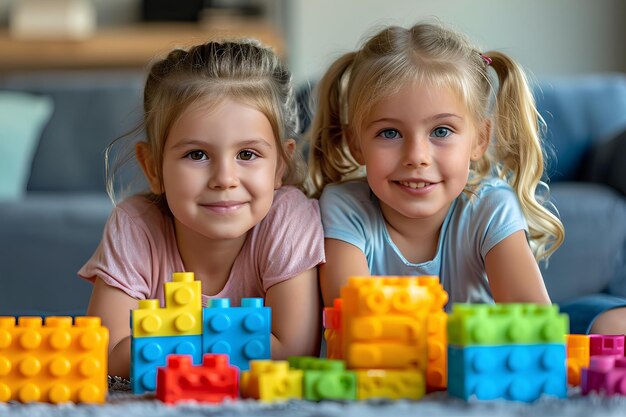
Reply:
x=122 y=403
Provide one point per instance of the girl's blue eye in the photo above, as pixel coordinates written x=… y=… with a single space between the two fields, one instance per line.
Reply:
x=196 y=155
x=247 y=155
x=441 y=132
x=389 y=134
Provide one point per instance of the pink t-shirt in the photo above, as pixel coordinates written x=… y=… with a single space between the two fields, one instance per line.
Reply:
x=138 y=251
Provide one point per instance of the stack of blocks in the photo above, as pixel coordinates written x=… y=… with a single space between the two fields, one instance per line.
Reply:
x=58 y=362
x=184 y=327
x=606 y=372
x=507 y=351
x=392 y=332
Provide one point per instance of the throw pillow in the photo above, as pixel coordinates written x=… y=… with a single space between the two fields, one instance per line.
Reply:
x=608 y=163
x=22 y=119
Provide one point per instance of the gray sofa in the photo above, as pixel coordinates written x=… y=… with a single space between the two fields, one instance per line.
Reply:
x=48 y=235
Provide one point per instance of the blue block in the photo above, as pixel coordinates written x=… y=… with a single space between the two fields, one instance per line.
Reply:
x=241 y=332
x=510 y=372
x=149 y=353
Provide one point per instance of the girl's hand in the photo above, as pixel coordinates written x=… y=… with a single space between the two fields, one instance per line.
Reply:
x=513 y=273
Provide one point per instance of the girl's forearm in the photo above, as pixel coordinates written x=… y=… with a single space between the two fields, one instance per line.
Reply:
x=119 y=359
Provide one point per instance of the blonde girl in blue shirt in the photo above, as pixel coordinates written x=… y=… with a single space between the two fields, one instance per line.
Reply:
x=445 y=140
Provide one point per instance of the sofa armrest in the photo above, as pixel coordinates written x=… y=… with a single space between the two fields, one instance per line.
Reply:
x=45 y=239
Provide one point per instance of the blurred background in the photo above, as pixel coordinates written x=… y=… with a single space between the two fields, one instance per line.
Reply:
x=71 y=81
x=556 y=36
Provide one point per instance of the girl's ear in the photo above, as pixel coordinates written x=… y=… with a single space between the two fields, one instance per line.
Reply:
x=290 y=148
x=146 y=161
x=355 y=146
x=482 y=142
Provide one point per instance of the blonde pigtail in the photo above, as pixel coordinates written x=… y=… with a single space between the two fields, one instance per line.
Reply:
x=330 y=159
x=518 y=150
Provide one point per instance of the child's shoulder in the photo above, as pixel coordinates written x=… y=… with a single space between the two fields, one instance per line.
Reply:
x=357 y=189
x=139 y=209
x=289 y=200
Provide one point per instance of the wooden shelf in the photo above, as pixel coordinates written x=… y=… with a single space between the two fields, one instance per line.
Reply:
x=125 y=47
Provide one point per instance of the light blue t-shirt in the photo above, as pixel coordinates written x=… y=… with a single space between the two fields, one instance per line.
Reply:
x=473 y=226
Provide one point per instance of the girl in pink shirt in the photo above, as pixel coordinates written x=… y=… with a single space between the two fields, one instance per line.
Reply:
x=224 y=202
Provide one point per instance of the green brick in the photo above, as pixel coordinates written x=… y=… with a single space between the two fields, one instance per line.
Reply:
x=314 y=363
x=506 y=324
x=329 y=385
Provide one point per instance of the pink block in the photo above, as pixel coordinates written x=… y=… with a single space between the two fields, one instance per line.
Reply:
x=606 y=374
x=601 y=344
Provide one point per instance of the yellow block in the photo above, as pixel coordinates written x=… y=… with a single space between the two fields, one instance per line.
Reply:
x=271 y=381
x=390 y=384
x=181 y=316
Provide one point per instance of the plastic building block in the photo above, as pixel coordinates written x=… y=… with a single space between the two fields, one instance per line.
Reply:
x=182 y=314
x=149 y=353
x=386 y=354
x=271 y=381
x=325 y=379
x=56 y=362
x=331 y=317
x=332 y=333
x=437 y=339
x=605 y=375
x=600 y=344
x=513 y=372
x=577 y=357
x=392 y=295
x=243 y=333
x=214 y=381
x=503 y=324
x=389 y=384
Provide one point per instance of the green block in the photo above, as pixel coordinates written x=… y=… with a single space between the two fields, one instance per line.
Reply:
x=329 y=385
x=314 y=363
x=506 y=324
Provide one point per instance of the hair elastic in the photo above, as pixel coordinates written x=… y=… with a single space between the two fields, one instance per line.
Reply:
x=485 y=58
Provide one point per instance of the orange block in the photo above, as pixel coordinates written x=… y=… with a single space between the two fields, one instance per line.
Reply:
x=577 y=357
x=57 y=362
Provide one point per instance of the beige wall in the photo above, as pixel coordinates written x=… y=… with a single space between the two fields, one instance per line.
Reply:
x=545 y=36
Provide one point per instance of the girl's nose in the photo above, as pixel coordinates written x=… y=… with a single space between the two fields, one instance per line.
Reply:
x=417 y=152
x=223 y=175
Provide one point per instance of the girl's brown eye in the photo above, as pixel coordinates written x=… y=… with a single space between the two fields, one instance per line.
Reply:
x=196 y=155
x=247 y=155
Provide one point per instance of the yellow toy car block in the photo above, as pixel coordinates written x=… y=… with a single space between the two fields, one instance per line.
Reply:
x=271 y=381
x=57 y=362
x=577 y=357
x=181 y=316
x=391 y=384
x=437 y=340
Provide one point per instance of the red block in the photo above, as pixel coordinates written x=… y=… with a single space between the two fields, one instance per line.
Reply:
x=214 y=381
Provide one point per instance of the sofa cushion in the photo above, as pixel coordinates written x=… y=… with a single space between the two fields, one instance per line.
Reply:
x=608 y=163
x=22 y=118
x=594 y=217
x=580 y=111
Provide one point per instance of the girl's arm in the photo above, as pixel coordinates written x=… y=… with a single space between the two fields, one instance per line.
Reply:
x=296 y=316
x=513 y=273
x=343 y=260
x=113 y=306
